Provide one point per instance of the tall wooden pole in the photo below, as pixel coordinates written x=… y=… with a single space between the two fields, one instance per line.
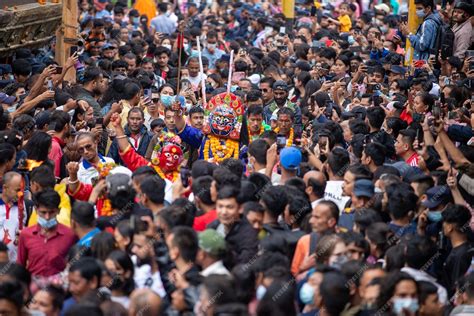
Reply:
x=66 y=36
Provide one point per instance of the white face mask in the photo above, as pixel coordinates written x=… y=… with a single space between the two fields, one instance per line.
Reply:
x=211 y=46
x=167 y=46
x=402 y=304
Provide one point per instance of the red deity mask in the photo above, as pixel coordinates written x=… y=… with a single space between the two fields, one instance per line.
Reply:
x=170 y=157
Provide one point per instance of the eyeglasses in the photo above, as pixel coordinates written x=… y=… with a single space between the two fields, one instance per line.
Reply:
x=264 y=90
x=155 y=100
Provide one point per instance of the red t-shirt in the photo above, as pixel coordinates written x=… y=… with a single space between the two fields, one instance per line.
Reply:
x=201 y=222
x=406 y=117
x=41 y=256
x=56 y=154
x=413 y=160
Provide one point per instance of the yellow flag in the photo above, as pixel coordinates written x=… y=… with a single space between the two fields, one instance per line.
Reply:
x=413 y=23
x=146 y=7
x=289 y=8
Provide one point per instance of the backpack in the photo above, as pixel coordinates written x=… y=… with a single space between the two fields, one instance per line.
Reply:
x=444 y=43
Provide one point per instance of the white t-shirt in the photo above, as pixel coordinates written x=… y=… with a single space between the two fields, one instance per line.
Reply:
x=87 y=172
x=196 y=81
x=333 y=193
x=10 y=227
x=144 y=278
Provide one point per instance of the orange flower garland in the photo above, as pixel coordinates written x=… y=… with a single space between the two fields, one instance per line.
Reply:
x=104 y=170
x=289 y=141
x=174 y=174
x=214 y=144
x=106 y=209
x=259 y=133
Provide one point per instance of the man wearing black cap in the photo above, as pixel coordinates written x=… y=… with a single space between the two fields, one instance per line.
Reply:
x=7 y=102
x=395 y=72
x=5 y=73
x=280 y=100
x=109 y=51
x=463 y=35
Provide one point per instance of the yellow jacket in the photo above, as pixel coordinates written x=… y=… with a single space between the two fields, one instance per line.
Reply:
x=64 y=216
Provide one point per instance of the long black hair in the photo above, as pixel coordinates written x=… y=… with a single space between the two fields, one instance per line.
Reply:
x=122 y=259
x=388 y=285
x=38 y=146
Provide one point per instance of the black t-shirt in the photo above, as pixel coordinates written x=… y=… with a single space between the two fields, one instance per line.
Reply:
x=456 y=265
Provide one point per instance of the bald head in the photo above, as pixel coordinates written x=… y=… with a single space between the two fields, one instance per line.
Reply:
x=315 y=184
x=318 y=175
x=144 y=302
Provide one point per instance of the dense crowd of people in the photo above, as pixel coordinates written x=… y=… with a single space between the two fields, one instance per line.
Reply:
x=211 y=158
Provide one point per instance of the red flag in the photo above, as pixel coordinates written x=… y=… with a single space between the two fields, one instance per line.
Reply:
x=180 y=41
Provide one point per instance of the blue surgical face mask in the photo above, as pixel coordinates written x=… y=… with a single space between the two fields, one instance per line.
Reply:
x=307 y=294
x=409 y=304
x=384 y=29
x=261 y=290
x=48 y=224
x=420 y=13
x=136 y=20
x=435 y=216
x=11 y=109
x=194 y=53
x=167 y=100
x=350 y=39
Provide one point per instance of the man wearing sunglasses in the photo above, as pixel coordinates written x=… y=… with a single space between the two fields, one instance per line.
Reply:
x=90 y=158
x=266 y=85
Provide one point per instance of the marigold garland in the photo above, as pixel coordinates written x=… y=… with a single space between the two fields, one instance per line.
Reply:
x=104 y=170
x=106 y=209
x=174 y=174
x=214 y=144
x=262 y=129
x=289 y=141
